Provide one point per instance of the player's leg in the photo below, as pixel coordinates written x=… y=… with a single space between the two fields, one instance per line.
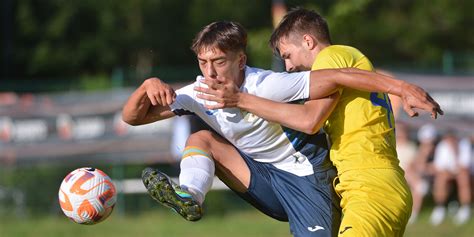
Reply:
x=230 y=166
x=197 y=172
x=246 y=177
x=375 y=202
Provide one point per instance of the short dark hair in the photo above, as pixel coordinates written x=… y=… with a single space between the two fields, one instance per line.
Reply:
x=301 y=21
x=225 y=35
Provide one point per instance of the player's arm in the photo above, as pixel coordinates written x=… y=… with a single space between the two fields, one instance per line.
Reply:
x=307 y=118
x=326 y=81
x=149 y=103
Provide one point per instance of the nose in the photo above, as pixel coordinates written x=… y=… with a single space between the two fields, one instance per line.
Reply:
x=289 y=66
x=211 y=71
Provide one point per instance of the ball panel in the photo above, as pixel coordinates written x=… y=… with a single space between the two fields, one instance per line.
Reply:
x=64 y=201
x=87 y=196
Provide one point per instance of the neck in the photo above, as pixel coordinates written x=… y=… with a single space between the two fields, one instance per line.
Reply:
x=240 y=81
x=319 y=48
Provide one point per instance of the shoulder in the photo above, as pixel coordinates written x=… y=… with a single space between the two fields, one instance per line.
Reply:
x=274 y=85
x=189 y=89
x=341 y=51
x=339 y=56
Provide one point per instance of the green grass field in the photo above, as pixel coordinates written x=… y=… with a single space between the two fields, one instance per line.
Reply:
x=161 y=222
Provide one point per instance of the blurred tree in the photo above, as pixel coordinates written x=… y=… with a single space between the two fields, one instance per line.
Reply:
x=58 y=39
x=415 y=32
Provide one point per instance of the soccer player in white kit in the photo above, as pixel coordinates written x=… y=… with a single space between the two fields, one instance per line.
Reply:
x=284 y=173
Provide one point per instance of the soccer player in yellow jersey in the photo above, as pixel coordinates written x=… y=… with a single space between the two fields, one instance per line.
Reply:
x=375 y=197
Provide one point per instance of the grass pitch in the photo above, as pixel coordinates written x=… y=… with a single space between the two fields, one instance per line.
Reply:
x=162 y=222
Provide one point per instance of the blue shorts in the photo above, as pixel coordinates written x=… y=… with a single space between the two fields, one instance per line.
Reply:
x=308 y=203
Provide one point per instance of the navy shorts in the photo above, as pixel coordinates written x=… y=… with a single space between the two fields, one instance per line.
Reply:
x=308 y=203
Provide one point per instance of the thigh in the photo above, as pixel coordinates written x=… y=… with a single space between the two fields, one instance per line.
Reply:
x=375 y=202
x=246 y=177
x=260 y=193
x=230 y=167
x=310 y=202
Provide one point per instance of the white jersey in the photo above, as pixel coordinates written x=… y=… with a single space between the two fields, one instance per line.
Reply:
x=259 y=139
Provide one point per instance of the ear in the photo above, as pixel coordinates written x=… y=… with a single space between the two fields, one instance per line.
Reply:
x=242 y=60
x=309 y=41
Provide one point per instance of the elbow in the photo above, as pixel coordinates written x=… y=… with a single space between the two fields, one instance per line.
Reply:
x=310 y=127
x=130 y=120
x=313 y=126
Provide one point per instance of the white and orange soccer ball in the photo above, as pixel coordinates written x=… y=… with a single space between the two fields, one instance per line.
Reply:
x=87 y=196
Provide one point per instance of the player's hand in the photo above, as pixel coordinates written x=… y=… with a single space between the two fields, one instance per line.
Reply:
x=225 y=93
x=414 y=97
x=159 y=92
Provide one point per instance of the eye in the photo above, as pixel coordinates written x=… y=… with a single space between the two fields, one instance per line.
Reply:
x=220 y=62
x=202 y=62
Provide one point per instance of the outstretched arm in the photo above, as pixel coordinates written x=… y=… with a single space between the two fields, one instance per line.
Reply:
x=323 y=83
x=326 y=81
x=307 y=118
x=149 y=103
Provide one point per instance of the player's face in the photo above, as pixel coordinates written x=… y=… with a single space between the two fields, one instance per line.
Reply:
x=296 y=56
x=215 y=63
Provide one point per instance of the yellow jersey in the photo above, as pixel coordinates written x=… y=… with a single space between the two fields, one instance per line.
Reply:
x=361 y=128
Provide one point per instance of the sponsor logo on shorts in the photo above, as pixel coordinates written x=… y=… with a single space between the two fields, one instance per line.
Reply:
x=315 y=228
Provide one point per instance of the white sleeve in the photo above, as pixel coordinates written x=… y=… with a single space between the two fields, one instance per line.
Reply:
x=284 y=87
x=185 y=100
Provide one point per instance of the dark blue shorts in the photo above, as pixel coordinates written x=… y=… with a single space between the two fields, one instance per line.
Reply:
x=308 y=203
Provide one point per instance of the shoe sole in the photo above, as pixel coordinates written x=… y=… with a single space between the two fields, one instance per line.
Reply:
x=160 y=188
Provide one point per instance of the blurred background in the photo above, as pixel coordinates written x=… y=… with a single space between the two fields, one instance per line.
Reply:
x=67 y=67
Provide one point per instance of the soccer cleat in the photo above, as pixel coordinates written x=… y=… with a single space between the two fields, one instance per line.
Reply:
x=164 y=191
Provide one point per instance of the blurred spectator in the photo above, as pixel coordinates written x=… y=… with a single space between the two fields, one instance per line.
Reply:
x=8 y=98
x=427 y=137
x=407 y=151
x=470 y=150
x=452 y=161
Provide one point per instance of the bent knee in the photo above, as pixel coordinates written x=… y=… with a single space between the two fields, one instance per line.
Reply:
x=201 y=138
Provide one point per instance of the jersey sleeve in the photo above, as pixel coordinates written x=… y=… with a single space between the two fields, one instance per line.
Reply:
x=284 y=87
x=185 y=100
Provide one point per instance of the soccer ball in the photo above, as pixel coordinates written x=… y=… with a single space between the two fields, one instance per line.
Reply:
x=87 y=196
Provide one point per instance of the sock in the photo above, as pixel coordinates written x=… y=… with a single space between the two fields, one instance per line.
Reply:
x=197 y=172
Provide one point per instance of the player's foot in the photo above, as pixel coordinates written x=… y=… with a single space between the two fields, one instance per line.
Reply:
x=164 y=191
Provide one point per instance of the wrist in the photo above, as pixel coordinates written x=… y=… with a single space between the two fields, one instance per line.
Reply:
x=242 y=99
x=396 y=87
